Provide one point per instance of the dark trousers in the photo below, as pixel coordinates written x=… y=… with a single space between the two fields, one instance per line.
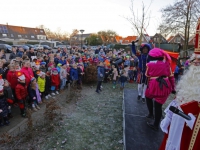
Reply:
x=157 y=111
x=98 y=85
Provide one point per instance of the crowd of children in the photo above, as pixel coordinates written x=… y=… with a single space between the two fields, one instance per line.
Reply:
x=30 y=77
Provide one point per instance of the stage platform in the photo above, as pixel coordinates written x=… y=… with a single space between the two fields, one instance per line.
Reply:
x=137 y=135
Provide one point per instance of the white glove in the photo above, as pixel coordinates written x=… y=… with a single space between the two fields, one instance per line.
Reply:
x=34 y=97
x=1 y=110
x=9 y=107
x=101 y=75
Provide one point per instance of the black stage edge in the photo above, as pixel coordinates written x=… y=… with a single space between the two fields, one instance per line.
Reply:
x=137 y=135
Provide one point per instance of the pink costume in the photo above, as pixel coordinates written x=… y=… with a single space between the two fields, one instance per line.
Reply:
x=159 y=70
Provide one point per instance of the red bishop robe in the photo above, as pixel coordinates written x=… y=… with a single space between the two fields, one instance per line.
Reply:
x=191 y=107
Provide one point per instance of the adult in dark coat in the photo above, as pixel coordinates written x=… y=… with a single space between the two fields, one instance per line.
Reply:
x=13 y=55
x=31 y=53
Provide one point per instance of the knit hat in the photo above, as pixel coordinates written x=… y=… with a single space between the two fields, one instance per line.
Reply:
x=20 y=76
x=54 y=69
x=43 y=63
x=41 y=73
x=1 y=80
x=145 y=45
x=157 y=53
x=32 y=79
x=59 y=64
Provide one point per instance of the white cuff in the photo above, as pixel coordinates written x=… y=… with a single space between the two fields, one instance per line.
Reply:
x=190 y=123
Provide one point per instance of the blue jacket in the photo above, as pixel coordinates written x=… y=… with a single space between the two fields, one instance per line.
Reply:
x=62 y=62
x=100 y=71
x=20 y=54
x=73 y=74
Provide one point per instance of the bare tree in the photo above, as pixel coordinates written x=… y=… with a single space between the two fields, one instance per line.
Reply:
x=74 y=32
x=139 y=22
x=58 y=35
x=181 y=17
x=107 y=36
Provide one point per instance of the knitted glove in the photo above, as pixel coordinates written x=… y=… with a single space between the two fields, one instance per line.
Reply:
x=1 y=110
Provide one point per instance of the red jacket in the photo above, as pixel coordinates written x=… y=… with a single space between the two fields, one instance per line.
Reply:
x=21 y=91
x=55 y=80
x=28 y=73
x=12 y=79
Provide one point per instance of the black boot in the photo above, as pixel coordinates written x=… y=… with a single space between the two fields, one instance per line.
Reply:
x=1 y=122
x=149 y=116
x=10 y=115
x=138 y=98
x=6 y=122
x=143 y=100
x=152 y=126
x=23 y=114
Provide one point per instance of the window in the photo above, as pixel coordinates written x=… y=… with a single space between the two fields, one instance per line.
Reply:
x=19 y=36
x=3 y=29
x=35 y=30
x=41 y=31
x=26 y=36
x=32 y=36
x=178 y=39
x=11 y=35
x=155 y=39
x=4 y=35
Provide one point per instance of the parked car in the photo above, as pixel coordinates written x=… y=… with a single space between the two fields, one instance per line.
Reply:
x=37 y=46
x=61 y=46
x=23 y=46
x=93 y=47
x=7 y=48
x=46 y=47
x=29 y=45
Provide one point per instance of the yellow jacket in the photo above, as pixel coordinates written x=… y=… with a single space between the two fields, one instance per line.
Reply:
x=41 y=84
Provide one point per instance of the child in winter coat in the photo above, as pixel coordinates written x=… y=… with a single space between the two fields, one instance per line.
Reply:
x=4 y=108
x=74 y=74
x=12 y=79
x=59 y=67
x=41 y=84
x=100 y=76
x=55 y=81
x=47 y=85
x=131 y=75
x=63 y=76
x=115 y=75
x=21 y=93
x=34 y=94
x=123 y=79
x=9 y=96
x=43 y=67
x=80 y=75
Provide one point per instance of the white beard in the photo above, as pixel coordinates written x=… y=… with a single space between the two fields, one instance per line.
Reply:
x=188 y=88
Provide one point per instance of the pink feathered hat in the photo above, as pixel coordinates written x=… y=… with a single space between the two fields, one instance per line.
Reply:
x=157 y=52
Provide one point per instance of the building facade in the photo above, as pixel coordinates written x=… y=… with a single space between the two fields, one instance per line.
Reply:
x=19 y=34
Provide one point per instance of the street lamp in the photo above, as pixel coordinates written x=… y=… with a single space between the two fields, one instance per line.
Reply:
x=81 y=36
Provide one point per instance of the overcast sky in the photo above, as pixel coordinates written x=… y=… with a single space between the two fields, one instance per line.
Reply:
x=90 y=15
